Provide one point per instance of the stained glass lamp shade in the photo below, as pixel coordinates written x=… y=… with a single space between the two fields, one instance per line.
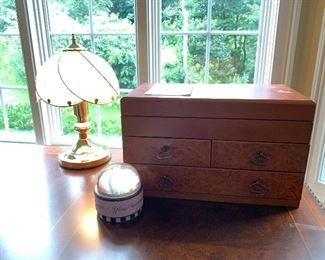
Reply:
x=74 y=77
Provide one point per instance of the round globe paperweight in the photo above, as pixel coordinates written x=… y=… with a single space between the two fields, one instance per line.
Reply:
x=118 y=193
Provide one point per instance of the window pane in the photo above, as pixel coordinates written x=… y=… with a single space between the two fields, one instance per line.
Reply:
x=68 y=16
x=18 y=109
x=113 y=16
x=235 y=15
x=171 y=59
x=119 y=52
x=8 y=18
x=196 y=59
x=232 y=59
x=184 y=15
x=16 y=122
x=12 y=70
x=183 y=62
x=110 y=118
x=2 y=122
x=109 y=121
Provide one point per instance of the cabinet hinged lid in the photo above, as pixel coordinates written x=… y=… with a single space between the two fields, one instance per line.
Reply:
x=237 y=101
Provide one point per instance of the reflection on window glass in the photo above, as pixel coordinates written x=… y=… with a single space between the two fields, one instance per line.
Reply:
x=184 y=14
x=16 y=122
x=183 y=62
x=232 y=59
x=220 y=48
x=235 y=15
x=171 y=59
x=113 y=16
x=8 y=17
x=68 y=16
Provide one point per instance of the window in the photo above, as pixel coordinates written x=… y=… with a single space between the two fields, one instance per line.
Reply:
x=267 y=55
x=15 y=112
x=211 y=41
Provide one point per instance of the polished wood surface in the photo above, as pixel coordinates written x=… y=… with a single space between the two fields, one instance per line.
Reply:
x=272 y=102
x=258 y=137
x=260 y=156
x=47 y=212
x=167 y=151
x=274 y=188
x=219 y=129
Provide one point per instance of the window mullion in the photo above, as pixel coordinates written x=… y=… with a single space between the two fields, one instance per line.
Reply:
x=211 y=32
x=93 y=48
x=154 y=21
x=4 y=111
x=208 y=43
x=142 y=49
x=91 y=26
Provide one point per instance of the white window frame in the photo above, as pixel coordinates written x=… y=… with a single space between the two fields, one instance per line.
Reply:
x=34 y=54
x=285 y=41
x=275 y=50
x=316 y=159
x=36 y=49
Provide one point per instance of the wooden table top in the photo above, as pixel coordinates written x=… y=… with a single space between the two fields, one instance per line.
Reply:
x=47 y=212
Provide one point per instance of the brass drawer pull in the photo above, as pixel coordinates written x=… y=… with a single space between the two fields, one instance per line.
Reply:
x=165 y=182
x=165 y=152
x=260 y=158
x=257 y=187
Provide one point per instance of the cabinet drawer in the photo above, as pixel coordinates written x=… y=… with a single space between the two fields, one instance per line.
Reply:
x=260 y=156
x=254 y=184
x=218 y=129
x=165 y=151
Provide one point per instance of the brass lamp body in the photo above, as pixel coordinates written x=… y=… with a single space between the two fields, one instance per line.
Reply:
x=85 y=153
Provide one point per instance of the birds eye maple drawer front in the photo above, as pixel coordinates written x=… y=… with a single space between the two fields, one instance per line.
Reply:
x=228 y=143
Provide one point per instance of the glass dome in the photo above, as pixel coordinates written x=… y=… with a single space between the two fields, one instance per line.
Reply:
x=117 y=181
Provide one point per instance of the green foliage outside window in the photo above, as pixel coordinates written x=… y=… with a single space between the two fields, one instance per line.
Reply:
x=20 y=117
x=111 y=125
x=7 y=14
x=232 y=57
x=2 y=123
x=12 y=70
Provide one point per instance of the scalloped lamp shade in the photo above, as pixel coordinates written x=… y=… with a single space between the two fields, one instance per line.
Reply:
x=73 y=76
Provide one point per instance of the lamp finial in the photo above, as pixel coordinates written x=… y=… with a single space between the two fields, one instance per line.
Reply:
x=74 y=46
x=73 y=39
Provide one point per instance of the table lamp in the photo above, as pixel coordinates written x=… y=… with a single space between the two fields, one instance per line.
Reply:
x=74 y=77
